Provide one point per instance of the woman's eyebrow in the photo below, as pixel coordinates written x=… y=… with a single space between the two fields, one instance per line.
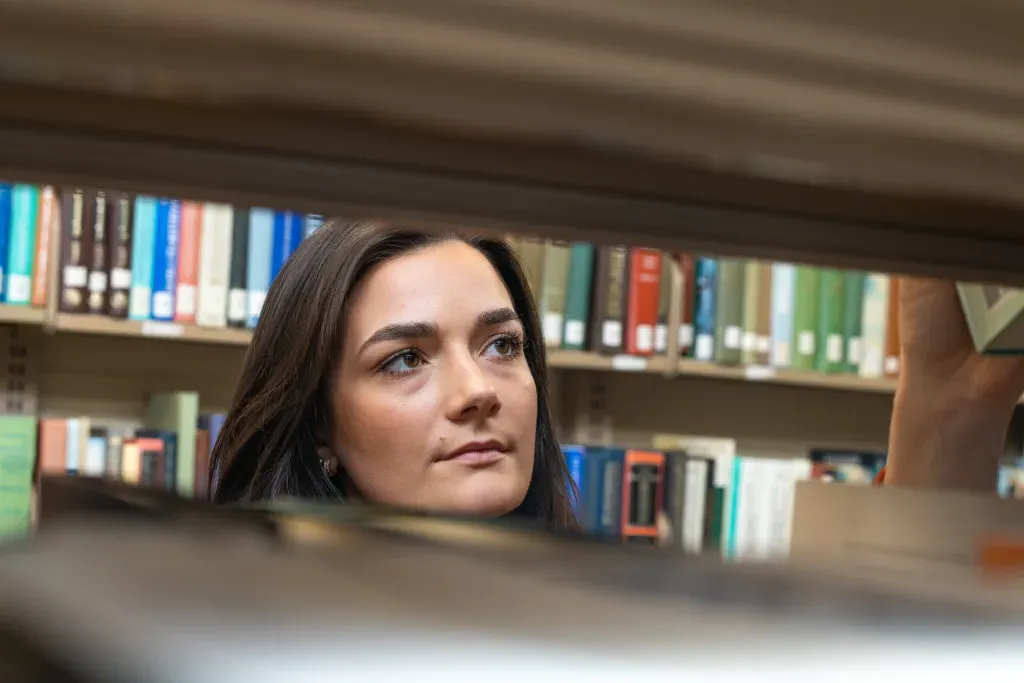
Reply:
x=397 y=331
x=496 y=316
x=421 y=329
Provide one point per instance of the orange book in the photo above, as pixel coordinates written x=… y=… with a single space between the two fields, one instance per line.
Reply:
x=47 y=228
x=53 y=446
x=188 y=263
x=643 y=488
x=644 y=293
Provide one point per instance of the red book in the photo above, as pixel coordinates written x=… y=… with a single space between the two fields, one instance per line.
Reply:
x=644 y=291
x=188 y=263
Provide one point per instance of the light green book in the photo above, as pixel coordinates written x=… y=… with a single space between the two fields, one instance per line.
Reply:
x=17 y=462
x=178 y=412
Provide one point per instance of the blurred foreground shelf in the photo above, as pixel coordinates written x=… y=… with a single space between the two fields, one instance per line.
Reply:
x=850 y=134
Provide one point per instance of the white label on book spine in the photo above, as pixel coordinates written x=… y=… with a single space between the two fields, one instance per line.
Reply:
x=732 y=337
x=834 y=349
x=705 y=347
x=19 y=288
x=853 y=350
x=629 y=363
x=805 y=343
x=237 y=305
x=660 y=338
x=75 y=276
x=163 y=305
x=256 y=299
x=97 y=281
x=611 y=333
x=749 y=342
x=575 y=332
x=153 y=328
x=892 y=365
x=685 y=336
x=552 y=328
x=120 y=278
x=764 y=344
x=644 y=338
x=186 y=300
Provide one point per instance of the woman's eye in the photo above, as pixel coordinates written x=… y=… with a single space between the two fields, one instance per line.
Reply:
x=503 y=346
x=403 y=362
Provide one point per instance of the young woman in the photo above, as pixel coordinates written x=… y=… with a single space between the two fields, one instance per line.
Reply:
x=398 y=368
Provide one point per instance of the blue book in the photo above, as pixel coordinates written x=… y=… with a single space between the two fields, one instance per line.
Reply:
x=601 y=509
x=705 y=285
x=288 y=232
x=165 y=259
x=6 y=209
x=574 y=460
x=143 y=252
x=312 y=223
x=259 y=261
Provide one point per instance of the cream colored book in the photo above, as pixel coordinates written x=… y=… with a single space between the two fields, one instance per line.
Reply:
x=995 y=317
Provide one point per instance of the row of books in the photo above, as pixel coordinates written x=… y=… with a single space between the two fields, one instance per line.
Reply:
x=171 y=450
x=144 y=258
x=616 y=300
x=165 y=259
x=711 y=498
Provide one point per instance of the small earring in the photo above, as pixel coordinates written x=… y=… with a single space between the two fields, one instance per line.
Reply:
x=330 y=466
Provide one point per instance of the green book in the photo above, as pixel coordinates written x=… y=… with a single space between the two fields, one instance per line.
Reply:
x=805 y=318
x=729 y=314
x=17 y=463
x=853 y=313
x=577 y=296
x=178 y=412
x=831 y=348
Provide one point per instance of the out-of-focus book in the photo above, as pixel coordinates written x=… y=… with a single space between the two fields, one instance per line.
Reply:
x=995 y=317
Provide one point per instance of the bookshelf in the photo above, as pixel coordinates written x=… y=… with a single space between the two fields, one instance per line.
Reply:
x=838 y=134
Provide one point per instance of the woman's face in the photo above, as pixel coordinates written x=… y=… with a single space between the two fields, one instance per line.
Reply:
x=434 y=405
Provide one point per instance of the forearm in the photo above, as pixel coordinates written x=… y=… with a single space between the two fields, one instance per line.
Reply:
x=937 y=440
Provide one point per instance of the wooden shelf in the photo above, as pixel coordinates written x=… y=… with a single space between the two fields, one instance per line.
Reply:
x=22 y=315
x=770 y=375
x=95 y=324
x=586 y=360
x=848 y=134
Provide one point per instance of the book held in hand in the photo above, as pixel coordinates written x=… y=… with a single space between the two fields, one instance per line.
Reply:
x=995 y=317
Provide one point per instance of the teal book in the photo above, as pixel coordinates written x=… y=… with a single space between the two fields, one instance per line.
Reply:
x=17 y=463
x=22 y=255
x=577 y=296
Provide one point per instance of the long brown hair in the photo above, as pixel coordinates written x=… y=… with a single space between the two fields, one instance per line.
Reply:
x=280 y=415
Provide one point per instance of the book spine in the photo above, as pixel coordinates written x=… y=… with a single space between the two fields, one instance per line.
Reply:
x=259 y=262
x=119 y=237
x=144 y=221
x=165 y=262
x=98 y=257
x=187 y=278
x=704 y=308
x=642 y=311
x=24 y=224
x=48 y=229
x=238 y=292
x=577 y=296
